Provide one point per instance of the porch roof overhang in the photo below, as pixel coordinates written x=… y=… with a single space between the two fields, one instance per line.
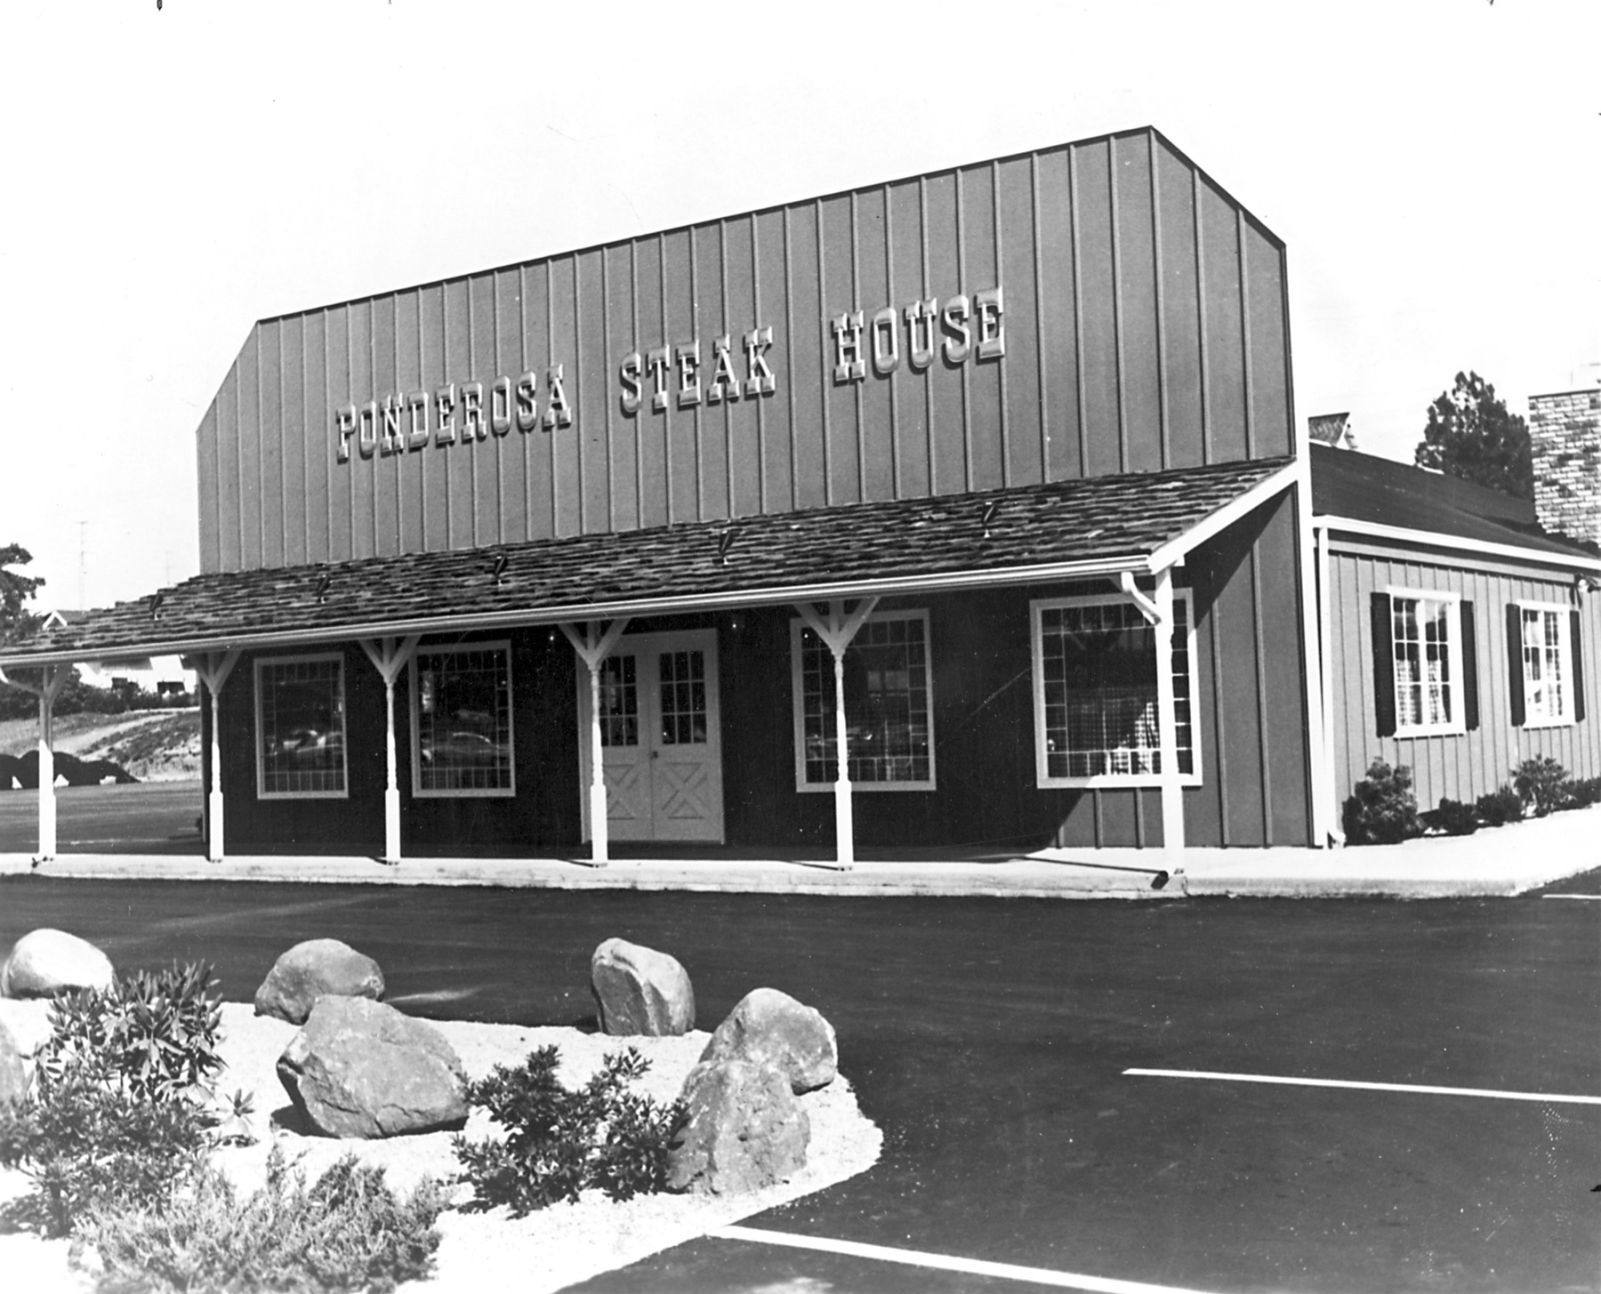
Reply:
x=1081 y=529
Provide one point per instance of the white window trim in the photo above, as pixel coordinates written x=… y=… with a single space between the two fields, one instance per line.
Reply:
x=1458 y=724
x=798 y=709
x=1565 y=648
x=1036 y=611
x=264 y=662
x=468 y=792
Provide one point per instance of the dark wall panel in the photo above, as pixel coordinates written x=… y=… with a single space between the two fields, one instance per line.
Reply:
x=1126 y=316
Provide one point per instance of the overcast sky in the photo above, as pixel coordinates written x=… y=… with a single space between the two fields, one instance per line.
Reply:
x=169 y=177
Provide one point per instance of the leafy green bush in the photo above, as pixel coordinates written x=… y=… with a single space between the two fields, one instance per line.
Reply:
x=1539 y=781
x=1497 y=808
x=119 y=1113
x=347 y=1231
x=153 y=1034
x=1452 y=818
x=84 y=1144
x=560 y=1142
x=1382 y=809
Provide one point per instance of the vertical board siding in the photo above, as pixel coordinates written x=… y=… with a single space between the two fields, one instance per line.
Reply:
x=1143 y=326
x=1460 y=766
x=1139 y=377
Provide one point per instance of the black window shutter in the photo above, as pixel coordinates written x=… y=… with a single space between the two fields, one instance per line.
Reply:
x=1577 y=658
x=1383 y=665
x=1470 y=668
x=1514 y=661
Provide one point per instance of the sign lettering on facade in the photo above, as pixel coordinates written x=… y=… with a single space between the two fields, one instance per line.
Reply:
x=684 y=375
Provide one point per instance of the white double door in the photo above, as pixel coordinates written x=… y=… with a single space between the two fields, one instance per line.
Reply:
x=660 y=736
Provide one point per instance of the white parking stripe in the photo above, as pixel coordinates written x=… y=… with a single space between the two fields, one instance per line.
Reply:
x=1591 y=898
x=947 y=1263
x=1554 y=1098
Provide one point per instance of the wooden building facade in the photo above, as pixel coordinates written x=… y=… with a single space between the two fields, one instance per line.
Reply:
x=961 y=511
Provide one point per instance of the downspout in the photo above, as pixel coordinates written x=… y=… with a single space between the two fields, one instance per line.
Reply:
x=1327 y=794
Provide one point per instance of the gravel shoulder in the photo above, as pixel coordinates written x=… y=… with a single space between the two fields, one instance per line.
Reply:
x=545 y=1251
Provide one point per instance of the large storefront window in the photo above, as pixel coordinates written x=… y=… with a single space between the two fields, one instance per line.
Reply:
x=461 y=721
x=888 y=712
x=1095 y=692
x=300 y=727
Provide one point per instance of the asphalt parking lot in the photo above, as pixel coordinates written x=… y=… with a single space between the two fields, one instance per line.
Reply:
x=992 y=1040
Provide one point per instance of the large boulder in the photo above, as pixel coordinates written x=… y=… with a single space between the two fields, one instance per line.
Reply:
x=314 y=969
x=46 y=962
x=745 y=1130
x=771 y=1028
x=641 y=991
x=361 y=1069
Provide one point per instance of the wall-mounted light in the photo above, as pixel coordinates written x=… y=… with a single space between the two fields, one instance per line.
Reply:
x=155 y=604
x=991 y=511
x=324 y=581
x=725 y=541
x=501 y=562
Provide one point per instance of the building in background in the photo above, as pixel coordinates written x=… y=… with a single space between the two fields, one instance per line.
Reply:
x=1457 y=632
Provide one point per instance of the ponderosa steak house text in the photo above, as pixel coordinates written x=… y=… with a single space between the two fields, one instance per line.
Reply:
x=684 y=375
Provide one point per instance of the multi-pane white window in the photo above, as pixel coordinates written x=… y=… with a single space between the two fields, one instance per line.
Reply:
x=1096 y=716
x=888 y=709
x=1547 y=672
x=300 y=727
x=1426 y=647
x=461 y=720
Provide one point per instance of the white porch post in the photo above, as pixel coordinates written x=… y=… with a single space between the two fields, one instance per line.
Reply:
x=593 y=646
x=389 y=656
x=837 y=631
x=52 y=678
x=213 y=669
x=1167 y=723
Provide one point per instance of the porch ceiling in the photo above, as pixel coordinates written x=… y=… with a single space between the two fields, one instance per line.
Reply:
x=1023 y=534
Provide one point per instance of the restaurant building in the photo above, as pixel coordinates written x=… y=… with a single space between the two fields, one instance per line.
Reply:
x=963 y=511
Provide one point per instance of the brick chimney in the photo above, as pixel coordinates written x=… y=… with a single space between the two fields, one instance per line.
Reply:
x=1565 y=431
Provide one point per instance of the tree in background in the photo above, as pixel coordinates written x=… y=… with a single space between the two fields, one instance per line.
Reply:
x=15 y=589
x=1471 y=435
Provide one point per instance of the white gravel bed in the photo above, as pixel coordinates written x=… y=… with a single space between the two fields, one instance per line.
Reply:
x=544 y=1251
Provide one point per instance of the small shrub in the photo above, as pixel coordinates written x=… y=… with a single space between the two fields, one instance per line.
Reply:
x=153 y=1034
x=560 y=1142
x=83 y=1144
x=1539 y=781
x=347 y=1231
x=119 y=1112
x=1452 y=818
x=1579 y=793
x=1497 y=808
x=1382 y=809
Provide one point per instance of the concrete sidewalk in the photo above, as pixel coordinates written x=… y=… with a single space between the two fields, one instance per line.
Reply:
x=1505 y=861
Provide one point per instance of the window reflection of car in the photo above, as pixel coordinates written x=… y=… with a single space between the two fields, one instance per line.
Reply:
x=309 y=744
x=464 y=750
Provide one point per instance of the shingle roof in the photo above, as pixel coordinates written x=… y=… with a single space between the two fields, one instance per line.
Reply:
x=1362 y=487
x=916 y=541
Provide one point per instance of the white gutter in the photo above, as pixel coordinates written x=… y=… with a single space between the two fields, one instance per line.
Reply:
x=1454 y=543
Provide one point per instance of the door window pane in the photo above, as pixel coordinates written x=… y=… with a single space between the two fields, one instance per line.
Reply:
x=683 y=697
